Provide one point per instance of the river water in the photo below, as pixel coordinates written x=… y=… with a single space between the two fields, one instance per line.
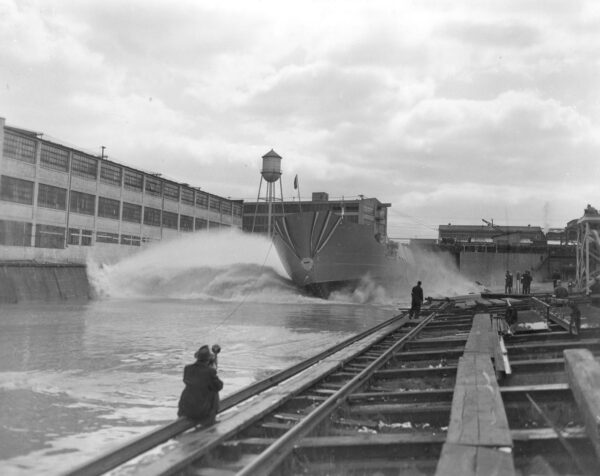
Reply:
x=78 y=379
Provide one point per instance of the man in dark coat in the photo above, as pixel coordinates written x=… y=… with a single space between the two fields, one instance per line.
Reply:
x=508 y=282
x=416 y=300
x=200 y=397
x=526 y=279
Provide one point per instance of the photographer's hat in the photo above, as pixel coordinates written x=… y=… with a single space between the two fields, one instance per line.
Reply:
x=203 y=354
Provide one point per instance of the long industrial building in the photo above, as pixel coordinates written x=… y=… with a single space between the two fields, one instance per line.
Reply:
x=59 y=204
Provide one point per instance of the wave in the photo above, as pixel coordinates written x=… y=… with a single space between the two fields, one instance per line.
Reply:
x=228 y=265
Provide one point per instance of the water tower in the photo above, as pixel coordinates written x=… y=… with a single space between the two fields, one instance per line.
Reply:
x=271 y=174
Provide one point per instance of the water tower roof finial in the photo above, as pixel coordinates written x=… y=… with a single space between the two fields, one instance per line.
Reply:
x=273 y=154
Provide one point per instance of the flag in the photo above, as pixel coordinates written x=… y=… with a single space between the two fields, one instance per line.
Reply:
x=296 y=182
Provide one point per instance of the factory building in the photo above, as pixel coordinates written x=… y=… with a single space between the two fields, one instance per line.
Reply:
x=62 y=204
x=365 y=211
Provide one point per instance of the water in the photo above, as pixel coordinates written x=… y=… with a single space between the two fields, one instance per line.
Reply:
x=79 y=379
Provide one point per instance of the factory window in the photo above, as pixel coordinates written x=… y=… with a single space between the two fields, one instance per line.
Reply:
x=151 y=216
x=351 y=218
x=54 y=158
x=52 y=197
x=109 y=208
x=110 y=174
x=131 y=240
x=106 y=237
x=132 y=212
x=19 y=148
x=86 y=237
x=16 y=190
x=237 y=210
x=83 y=166
x=256 y=208
x=80 y=237
x=352 y=208
x=213 y=225
x=169 y=219
x=226 y=208
x=171 y=191
x=82 y=203
x=152 y=186
x=133 y=180
x=48 y=236
x=215 y=204
x=15 y=233
x=186 y=223
x=201 y=224
x=201 y=200
x=74 y=236
x=187 y=196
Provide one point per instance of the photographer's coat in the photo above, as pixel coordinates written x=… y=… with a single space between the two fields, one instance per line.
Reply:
x=200 y=397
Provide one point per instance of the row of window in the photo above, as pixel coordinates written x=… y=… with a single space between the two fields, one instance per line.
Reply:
x=22 y=148
x=21 y=191
x=262 y=208
x=16 y=233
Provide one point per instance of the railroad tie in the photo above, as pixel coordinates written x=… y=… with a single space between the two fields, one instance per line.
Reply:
x=478 y=441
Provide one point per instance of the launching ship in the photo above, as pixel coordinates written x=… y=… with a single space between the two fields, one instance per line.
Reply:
x=323 y=244
x=323 y=251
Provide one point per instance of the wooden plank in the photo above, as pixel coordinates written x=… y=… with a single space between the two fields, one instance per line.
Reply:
x=462 y=460
x=583 y=372
x=478 y=340
x=477 y=416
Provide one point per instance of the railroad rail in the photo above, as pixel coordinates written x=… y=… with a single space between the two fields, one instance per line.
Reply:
x=458 y=392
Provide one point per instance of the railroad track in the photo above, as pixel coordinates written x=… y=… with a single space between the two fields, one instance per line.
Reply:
x=442 y=396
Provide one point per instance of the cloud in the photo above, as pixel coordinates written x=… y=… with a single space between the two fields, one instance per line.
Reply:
x=448 y=110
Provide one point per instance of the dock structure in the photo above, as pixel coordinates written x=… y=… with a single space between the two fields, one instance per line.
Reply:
x=458 y=392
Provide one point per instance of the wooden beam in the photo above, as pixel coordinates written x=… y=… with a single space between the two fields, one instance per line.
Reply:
x=478 y=441
x=462 y=460
x=583 y=372
x=478 y=416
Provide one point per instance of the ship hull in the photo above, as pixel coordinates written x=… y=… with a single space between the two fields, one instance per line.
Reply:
x=322 y=252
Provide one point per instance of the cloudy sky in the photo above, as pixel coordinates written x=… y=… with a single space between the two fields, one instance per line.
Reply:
x=451 y=111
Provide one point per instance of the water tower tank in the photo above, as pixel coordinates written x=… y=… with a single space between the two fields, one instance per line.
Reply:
x=271 y=168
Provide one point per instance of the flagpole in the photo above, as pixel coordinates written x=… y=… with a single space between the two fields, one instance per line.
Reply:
x=297 y=186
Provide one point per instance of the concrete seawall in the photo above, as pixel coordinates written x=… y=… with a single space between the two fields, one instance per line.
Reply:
x=28 y=281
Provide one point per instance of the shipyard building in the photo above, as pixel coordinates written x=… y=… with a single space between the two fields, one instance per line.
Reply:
x=61 y=204
x=365 y=211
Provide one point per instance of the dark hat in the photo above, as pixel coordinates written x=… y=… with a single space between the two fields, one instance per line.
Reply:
x=203 y=354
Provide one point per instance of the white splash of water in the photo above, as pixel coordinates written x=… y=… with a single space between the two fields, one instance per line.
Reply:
x=439 y=275
x=225 y=265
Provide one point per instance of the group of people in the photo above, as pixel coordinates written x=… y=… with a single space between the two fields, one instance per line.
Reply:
x=523 y=281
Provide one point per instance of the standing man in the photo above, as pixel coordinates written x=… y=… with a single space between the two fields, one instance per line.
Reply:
x=416 y=301
x=200 y=398
x=508 y=282
x=527 y=282
x=518 y=282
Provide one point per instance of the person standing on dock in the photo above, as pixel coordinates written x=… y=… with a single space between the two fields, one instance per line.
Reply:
x=416 y=301
x=508 y=282
x=200 y=397
x=526 y=282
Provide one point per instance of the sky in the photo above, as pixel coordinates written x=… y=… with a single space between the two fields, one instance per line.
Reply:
x=452 y=111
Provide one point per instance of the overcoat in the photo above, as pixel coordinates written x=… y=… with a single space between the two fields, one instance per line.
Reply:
x=200 y=397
